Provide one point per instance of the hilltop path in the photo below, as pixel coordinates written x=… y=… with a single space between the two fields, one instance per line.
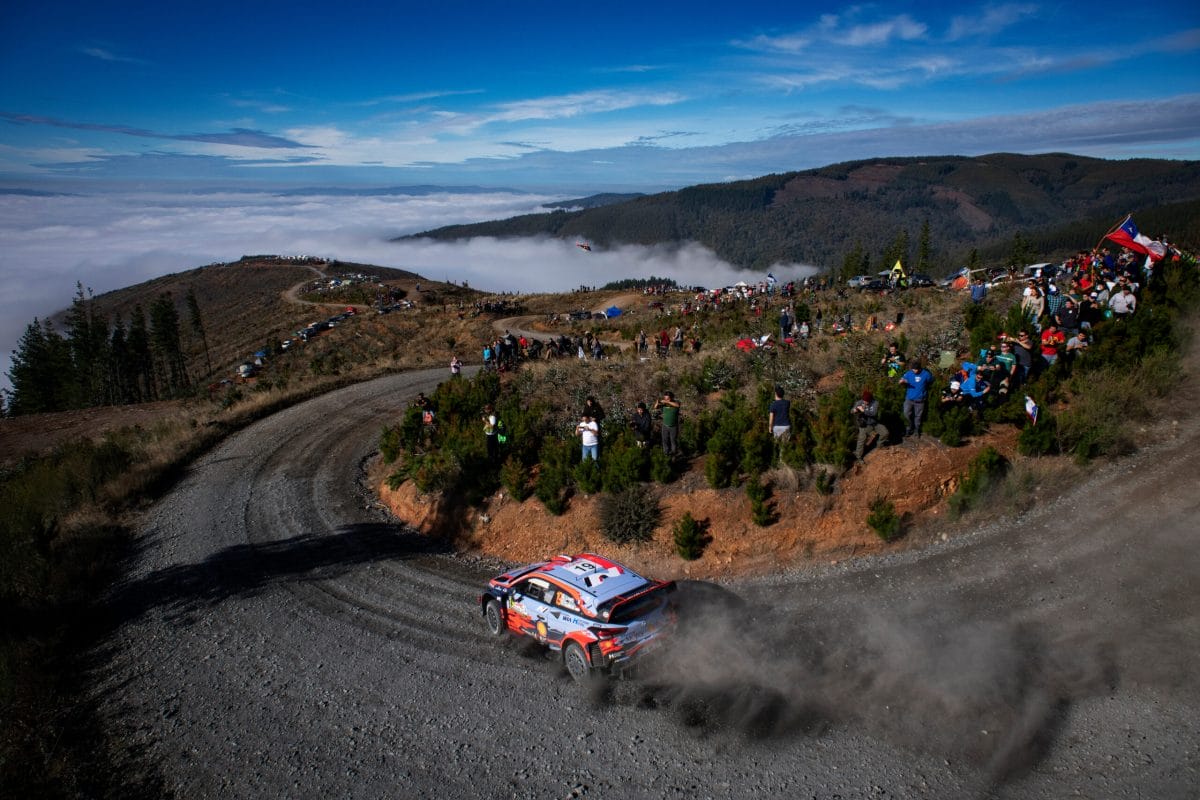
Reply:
x=280 y=637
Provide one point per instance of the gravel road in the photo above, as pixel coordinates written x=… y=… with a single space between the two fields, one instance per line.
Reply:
x=280 y=638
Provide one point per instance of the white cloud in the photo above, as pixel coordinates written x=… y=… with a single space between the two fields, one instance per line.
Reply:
x=111 y=241
x=992 y=20
x=902 y=27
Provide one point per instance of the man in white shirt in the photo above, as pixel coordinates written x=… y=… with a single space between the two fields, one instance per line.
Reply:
x=1123 y=303
x=588 y=431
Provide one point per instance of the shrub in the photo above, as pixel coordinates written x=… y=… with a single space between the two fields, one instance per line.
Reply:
x=823 y=482
x=630 y=515
x=554 y=477
x=624 y=463
x=758 y=450
x=662 y=469
x=690 y=536
x=389 y=444
x=588 y=477
x=951 y=425
x=762 y=512
x=983 y=473
x=833 y=428
x=883 y=519
x=1040 y=439
x=515 y=478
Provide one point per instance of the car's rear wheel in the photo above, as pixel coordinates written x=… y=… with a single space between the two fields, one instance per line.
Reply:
x=577 y=664
x=494 y=619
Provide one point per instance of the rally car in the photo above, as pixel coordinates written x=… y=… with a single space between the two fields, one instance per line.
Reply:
x=601 y=616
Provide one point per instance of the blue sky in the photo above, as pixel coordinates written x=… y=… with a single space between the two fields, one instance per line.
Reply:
x=574 y=96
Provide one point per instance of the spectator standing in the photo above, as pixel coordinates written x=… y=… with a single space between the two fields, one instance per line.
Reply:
x=779 y=415
x=785 y=325
x=588 y=430
x=916 y=382
x=455 y=366
x=1052 y=339
x=893 y=360
x=490 y=433
x=1068 y=318
x=1033 y=306
x=670 y=422
x=866 y=417
x=592 y=409
x=1123 y=303
x=979 y=291
x=1022 y=350
x=642 y=425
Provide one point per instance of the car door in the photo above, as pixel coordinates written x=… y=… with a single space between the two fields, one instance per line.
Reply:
x=529 y=605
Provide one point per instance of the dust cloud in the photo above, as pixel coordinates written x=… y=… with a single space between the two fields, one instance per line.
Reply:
x=930 y=680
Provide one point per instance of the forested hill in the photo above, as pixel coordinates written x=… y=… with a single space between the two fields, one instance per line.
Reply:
x=1053 y=202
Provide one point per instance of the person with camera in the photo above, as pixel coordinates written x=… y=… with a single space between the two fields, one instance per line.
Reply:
x=670 y=422
x=870 y=430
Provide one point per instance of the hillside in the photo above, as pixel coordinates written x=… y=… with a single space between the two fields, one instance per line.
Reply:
x=818 y=216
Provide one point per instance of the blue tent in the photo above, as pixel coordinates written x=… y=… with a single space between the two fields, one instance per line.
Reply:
x=612 y=311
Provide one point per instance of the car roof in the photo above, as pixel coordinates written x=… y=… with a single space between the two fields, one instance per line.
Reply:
x=597 y=579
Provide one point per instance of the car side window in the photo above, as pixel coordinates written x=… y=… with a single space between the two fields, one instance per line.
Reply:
x=566 y=601
x=535 y=590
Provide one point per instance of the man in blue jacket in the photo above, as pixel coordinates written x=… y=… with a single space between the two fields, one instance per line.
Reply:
x=916 y=382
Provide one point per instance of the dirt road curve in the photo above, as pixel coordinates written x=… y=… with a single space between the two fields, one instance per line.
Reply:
x=279 y=639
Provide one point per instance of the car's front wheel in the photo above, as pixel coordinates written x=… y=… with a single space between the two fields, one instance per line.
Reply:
x=577 y=664
x=494 y=619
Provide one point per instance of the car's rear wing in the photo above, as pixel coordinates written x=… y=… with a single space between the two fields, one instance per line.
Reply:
x=624 y=608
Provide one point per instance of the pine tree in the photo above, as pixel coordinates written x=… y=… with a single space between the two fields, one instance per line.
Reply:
x=168 y=351
x=923 y=248
x=141 y=358
x=197 y=325
x=87 y=337
x=41 y=371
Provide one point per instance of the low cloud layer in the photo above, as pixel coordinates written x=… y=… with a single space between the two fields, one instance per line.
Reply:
x=110 y=241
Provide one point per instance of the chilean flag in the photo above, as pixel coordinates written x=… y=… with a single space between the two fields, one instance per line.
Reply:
x=1126 y=234
x=1031 y=409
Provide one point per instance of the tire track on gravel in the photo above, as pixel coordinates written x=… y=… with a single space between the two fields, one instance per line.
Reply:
x=281 y=639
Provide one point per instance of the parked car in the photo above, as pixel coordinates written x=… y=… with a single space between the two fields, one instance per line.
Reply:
x=858 y=280
x=918 y=279
x=600 y=615
x=873 y=285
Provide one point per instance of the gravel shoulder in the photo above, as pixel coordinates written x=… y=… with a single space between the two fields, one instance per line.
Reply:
x=279 y=636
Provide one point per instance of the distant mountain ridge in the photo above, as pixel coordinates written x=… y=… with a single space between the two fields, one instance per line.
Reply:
x=817 y=216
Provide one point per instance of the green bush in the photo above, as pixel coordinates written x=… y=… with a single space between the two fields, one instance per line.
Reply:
x=758 y=450
x=554 y=478
x=690 y=536
x=984 y=473
x=951 y=425
x=662 y=469
x=762 y=511
x=884 y=520
x=515 y=477
x=833 y=428
x=630 y=515
x=1040 y=439
x=823 y=482
x=625 y=463
x=588 y=477
x=389 y=444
